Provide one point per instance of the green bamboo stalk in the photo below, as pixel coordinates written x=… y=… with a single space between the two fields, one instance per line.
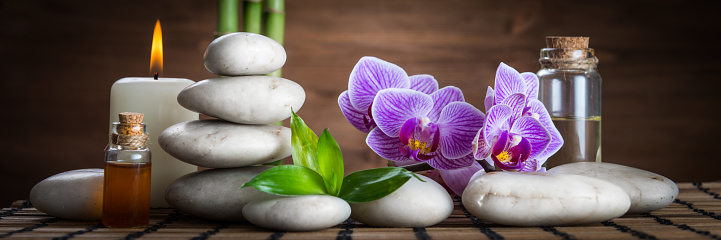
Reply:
x=252 y=16
x=227 y=17
x=275 y=24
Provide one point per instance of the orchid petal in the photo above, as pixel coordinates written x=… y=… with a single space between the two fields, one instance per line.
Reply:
x=354 y=116
x=481 y=148
x=517 y=102
x=508 y=81
x=488 y=102
x=457 y=179
x=500 y=145
x=521 y=151
x=441 y=162
x=531 y=81
x=384 y=145
x=392 y=107
x=424 y=83
x=495 y=118
x=442 y=98
x=531 y=165
x=371 y=75
x=458 y=124
x=407 y=130
x=545 y=119
x=533 y=131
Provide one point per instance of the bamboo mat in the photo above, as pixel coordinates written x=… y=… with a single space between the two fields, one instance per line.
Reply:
x=696 y=214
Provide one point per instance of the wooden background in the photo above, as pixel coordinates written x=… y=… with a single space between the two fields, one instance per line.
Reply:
x=658 y=59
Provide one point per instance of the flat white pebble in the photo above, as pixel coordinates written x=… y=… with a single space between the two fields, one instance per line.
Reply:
x=243 y=53
x=415 y=204
x=245 y=100
x=298 y=213
x=75 y=195
x=220 y=144
x=215 y=194
x=543 y=199
x=648 y=191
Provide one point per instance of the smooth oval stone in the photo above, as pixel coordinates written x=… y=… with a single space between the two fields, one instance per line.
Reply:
x=215 y=194
x=543 y=199
x=76 y=195
x=216 y=143
x=648 y=191
x=246 y=100
x=243 y=53
x=415 y=204
x=298 y=213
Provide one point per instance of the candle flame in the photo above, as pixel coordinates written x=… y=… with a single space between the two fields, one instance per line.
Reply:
x=156 y=51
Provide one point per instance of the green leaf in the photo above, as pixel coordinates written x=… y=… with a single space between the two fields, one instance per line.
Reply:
x=305 y=144
x=330 y=160
x=274 y=163
x=372 y=184
x=288 y=180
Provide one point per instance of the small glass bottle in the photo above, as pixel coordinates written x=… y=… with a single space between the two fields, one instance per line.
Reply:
x=570 y=88
x=126 y=192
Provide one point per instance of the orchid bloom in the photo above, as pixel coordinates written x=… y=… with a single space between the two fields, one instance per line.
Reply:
x=369 y=76
x=518 y=134
x=414 y=126
x=437 y=128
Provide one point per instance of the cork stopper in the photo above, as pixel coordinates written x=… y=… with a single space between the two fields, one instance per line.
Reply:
x=130 y=131
x=130 y=117
x=568 y=53
x=566 y=42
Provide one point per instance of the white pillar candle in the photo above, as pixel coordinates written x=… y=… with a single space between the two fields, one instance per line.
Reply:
x=157 y=99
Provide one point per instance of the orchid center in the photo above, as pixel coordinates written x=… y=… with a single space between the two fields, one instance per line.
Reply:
x=510 y=151
x=503 y=156
x=368 y=119
x=420 y=139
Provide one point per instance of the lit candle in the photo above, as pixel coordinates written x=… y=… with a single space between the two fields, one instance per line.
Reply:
x=157 y=99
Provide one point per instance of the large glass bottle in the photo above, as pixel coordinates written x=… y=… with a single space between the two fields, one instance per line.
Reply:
x=126 y=192
x=570 y=88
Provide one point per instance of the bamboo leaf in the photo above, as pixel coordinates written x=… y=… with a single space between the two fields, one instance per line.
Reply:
x=288 y=180
x=330 y=161
x=305 y=144
x=372 y=184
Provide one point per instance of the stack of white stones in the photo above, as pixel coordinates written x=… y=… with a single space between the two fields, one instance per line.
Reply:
x=246 y=103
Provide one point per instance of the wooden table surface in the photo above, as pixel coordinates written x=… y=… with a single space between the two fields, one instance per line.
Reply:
x=696 y=214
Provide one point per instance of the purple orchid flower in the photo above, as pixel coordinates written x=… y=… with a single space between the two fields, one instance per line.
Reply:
x=417 y=127
x=518 y=134
x=369 y=76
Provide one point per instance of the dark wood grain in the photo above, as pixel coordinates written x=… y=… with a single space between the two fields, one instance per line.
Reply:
x=659 y=61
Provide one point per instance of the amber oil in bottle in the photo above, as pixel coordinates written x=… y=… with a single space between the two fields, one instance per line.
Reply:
x=126 y=192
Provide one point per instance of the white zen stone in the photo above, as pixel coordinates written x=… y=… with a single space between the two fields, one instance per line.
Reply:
x=75 y=195
x=298 y=213
x=543 y=199
x=245 y=100
x=215 y=194
x=242 y=53
x=648 y=191
x=415 y=204
x=216 y=143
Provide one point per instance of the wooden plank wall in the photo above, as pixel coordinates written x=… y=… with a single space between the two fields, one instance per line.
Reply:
x=658 y=60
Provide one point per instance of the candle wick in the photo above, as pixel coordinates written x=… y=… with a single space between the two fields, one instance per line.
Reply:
x=155 y=75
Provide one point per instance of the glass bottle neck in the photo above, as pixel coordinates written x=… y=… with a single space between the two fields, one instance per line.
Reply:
x=128 y=136
x=568 y=58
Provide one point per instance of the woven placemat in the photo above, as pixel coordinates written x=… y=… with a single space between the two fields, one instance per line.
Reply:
x=696 y=214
